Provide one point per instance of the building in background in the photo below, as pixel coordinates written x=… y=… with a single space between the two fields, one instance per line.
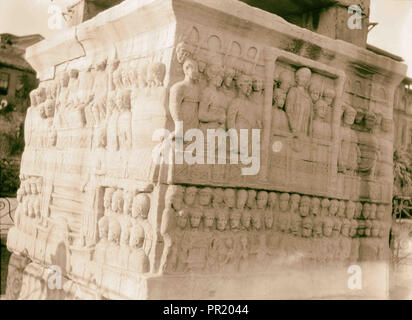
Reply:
x=17 y=79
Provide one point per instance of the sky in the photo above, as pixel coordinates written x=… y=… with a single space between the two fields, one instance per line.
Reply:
x=393 y=33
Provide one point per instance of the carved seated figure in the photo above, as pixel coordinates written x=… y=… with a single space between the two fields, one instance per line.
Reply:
x=321 y=127
x=349 y=153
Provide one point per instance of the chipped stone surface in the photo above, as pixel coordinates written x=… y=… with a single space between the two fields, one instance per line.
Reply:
x=119 y=224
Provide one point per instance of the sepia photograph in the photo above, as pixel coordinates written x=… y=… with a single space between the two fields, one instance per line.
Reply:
x=224 y=151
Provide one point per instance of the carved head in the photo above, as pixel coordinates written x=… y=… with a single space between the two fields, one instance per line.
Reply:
x=141 y=206
x=209 y=218
x=360 y=115
x=294 y=202
x=334 y=207
x=190 y=69
x=268 y=219
x=327 y=226
x=350 y=209
x=114 y=231
x=284 y=202
x=353 y=228
x=108 y=193
x=376 y=226
x=229 y=197
x=42 y=111
x=258 y=84
x=228 y=76
x=181 y=218
x=286 y=80
x=246 y=218
x=104 y=228
x=156 y=74
x=361 y=228
x=381 y=212
x=183 y=51
x=341 y=210
x=241 y=198
x=345 y=230
x=337 y=226
x=296 y=224
x=251 y=199
x=304 y=206
x=244 y=83
x=366 y=212
x=174 y=197
x=221 y=220
x=272 y=200
x=321 y=109
x=303 y=76
x=74 y=74
x=262 y=199
x=307 y=225
x=234 y=219
x=195 y=218
x=370 y=121
x=190 y=195
x=214 y=74
x=315 y=90
x=205 y=196
x=256 y=219
x=279 y=98
x=328 y=96
x=349 y=115
x=218 y=196
x=315 y=206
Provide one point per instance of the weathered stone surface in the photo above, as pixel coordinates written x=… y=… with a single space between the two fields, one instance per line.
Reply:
x=120 y=224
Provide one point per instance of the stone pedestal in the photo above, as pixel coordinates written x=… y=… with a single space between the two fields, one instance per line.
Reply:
x=122 y=224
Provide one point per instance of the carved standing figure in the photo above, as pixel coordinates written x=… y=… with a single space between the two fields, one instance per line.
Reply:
x=299 y=105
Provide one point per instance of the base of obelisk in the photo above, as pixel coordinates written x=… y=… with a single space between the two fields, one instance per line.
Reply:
x=360 y=281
